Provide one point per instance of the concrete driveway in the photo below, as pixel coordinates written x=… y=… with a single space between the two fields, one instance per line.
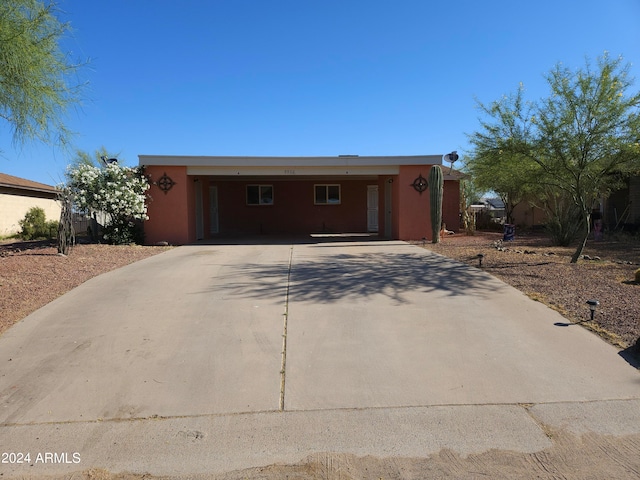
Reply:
x=211 y=358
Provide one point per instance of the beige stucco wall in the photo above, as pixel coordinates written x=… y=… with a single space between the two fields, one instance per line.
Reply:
x=14 y=207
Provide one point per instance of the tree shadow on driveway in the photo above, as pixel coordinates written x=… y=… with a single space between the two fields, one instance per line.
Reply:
x=329 y=278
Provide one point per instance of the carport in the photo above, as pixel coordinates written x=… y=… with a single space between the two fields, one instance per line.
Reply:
x=203 y=197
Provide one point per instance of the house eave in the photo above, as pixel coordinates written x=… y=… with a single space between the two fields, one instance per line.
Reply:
x=21 y=188
x=240 y=162
x=293 y=171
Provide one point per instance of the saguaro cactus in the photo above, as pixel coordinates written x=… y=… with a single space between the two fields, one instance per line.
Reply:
x=436 y=185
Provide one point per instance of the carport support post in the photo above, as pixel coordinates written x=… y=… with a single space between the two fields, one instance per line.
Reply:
x=283 y=365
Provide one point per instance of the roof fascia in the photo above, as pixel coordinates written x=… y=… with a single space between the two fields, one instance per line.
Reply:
x=235 y=162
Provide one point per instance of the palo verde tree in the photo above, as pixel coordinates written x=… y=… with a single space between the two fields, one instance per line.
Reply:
x=574 y=145
x=37 y=79
x=491 y=168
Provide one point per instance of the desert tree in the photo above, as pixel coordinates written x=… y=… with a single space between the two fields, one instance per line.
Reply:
x=575 y=144
x=38 y=80
x=492 y=166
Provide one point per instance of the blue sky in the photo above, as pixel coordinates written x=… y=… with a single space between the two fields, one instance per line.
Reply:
x=311 y=77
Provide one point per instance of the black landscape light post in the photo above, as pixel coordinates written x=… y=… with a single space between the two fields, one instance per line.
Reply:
x=593 y=304
x=480 y=258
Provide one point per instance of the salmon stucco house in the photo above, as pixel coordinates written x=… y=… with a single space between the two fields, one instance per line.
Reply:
x=203 y=197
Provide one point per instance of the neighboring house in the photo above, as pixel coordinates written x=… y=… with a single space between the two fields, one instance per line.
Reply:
x=197 y=198
x=621 y=209
x=18 y=196
x=496 y=208
x=492 y=207
x=526 y=215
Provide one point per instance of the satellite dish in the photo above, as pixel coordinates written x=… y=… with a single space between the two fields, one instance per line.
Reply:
x=451 y=157
x=108 y=161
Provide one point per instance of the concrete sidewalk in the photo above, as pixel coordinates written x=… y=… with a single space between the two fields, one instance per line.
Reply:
x=212 y=358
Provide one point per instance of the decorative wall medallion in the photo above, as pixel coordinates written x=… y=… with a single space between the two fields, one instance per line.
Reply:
x=165 y=183
x=420 y=184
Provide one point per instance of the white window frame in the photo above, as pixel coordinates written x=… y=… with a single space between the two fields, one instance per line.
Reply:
x=326 y=196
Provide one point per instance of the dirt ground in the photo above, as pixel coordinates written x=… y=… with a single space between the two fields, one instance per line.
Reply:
x=571 y=457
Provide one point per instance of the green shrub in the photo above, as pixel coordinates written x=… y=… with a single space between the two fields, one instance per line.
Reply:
x=122 y=231
x=34 y=225
x=637 y=275
x=52 y=228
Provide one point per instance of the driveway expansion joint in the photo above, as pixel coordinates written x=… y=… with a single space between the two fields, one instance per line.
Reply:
x=283 y=365
x=525 y=406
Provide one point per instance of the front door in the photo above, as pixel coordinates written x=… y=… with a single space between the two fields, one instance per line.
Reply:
x=213 y=210
x=372 y=208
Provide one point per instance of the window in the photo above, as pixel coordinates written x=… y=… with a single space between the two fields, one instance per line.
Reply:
x=259 y=194
x=327 y=194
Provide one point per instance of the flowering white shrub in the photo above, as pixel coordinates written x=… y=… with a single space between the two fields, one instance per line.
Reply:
x=119 y=192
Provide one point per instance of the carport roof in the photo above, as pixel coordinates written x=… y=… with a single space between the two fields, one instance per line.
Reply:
x=341 y=166
x=242 y=161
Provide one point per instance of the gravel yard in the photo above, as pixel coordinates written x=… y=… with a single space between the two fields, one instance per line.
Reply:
x=544 y=273
x=33 y=274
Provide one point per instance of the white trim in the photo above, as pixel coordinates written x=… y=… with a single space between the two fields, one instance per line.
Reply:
x=344 y=162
